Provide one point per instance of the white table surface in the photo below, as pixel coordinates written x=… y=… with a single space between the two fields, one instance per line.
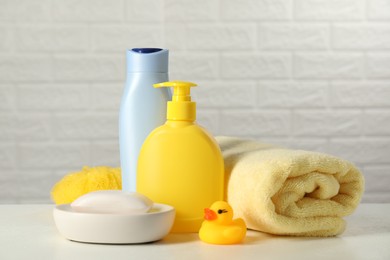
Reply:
x=28 y=232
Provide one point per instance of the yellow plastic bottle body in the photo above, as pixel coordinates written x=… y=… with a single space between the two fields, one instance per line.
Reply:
x=180 y=164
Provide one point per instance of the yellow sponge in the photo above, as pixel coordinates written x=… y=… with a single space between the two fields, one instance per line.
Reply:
x=88 y=179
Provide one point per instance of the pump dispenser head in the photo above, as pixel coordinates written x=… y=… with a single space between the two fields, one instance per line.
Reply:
x=181 y=108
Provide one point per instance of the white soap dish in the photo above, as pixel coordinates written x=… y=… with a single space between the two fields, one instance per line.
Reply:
x=114 y=228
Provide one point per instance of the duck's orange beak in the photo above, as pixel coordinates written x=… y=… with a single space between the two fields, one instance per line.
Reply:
x=209 y=214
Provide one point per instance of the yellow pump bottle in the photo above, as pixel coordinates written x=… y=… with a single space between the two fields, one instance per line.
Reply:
x=180 y=163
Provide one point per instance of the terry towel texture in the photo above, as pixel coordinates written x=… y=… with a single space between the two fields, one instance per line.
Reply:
x=289 y=192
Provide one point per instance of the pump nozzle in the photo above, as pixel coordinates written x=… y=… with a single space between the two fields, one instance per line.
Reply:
x=181 y=89
x=181 y=107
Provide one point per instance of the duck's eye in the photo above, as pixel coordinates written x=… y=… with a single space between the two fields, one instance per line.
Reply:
x=220 y=211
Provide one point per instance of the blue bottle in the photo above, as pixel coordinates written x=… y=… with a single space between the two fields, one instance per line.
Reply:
x=143 y=107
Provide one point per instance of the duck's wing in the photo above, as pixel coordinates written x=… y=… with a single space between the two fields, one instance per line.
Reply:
x=240 y=222
x=233 y=231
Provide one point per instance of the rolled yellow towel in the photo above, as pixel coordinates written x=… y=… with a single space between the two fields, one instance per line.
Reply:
x=289 y=192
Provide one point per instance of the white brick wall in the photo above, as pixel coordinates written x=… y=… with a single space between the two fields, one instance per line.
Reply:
x=310 y=74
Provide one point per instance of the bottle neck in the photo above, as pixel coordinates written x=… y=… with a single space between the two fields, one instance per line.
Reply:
x=178 y=123
x=181 y=111
x=147 y=74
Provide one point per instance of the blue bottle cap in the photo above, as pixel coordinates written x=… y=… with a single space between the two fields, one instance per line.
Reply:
x=147 y=60
x=146 y=50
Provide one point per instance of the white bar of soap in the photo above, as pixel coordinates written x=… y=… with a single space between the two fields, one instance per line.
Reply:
x=112 y=202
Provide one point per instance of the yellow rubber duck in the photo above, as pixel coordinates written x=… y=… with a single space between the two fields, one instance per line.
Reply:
x=219 y=227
